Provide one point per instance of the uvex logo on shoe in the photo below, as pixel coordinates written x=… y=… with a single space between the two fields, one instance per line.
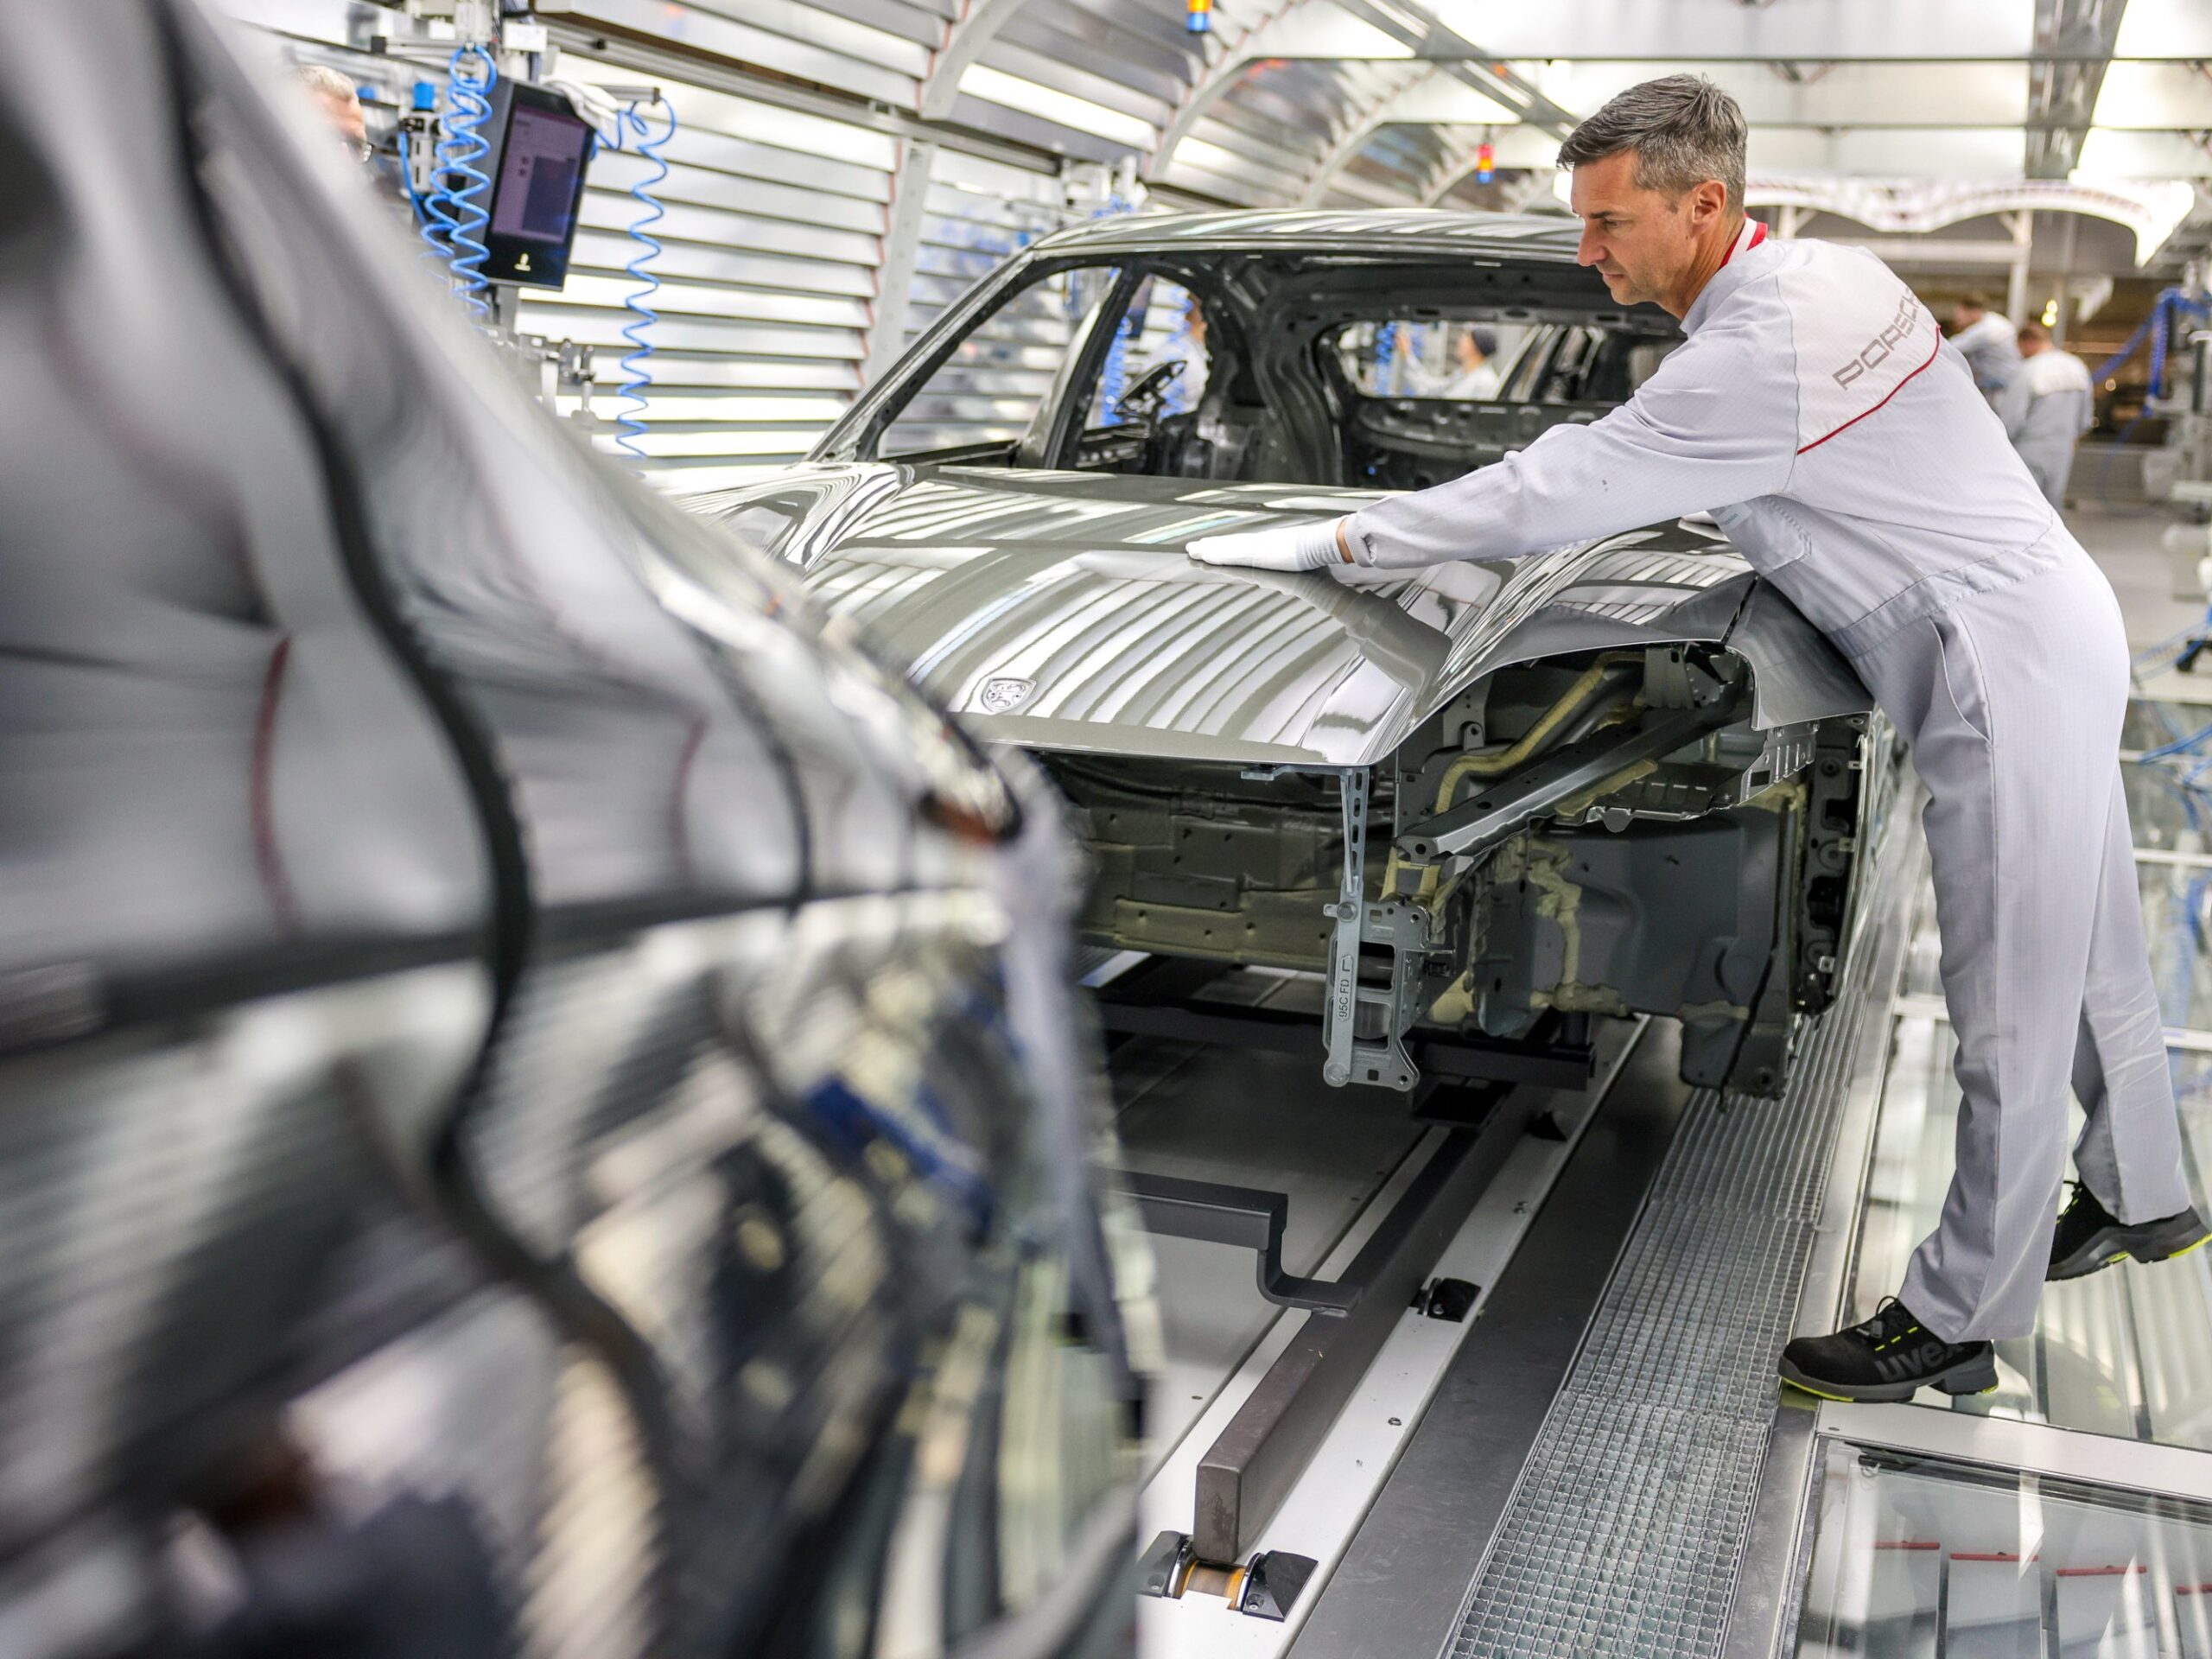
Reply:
x=1895 y=1368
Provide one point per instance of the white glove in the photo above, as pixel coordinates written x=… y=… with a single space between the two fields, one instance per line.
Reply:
x=1300 y=547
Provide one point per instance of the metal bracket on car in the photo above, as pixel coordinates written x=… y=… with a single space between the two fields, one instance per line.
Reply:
x=1500 y=811
x=1340 y=1015
x=1401 y=926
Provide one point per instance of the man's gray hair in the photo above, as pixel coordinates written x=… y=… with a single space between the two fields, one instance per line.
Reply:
x=1683 y=128
x=322 y=78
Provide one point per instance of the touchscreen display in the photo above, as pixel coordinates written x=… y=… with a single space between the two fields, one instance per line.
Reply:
x=538 y=175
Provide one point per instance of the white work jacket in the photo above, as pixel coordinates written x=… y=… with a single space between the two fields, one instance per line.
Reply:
x=2052 y=403
x=1815 y=410
x=1991 y=346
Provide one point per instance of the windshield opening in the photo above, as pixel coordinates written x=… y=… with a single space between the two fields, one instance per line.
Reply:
x=1267 y=368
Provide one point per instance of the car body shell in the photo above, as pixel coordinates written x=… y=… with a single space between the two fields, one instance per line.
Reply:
x=1059 y=611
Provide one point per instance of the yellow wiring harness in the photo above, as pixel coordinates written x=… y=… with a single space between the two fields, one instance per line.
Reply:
x=1572 y=703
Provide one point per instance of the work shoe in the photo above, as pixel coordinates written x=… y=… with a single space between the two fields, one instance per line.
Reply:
x=2090 y=1236
x=1890 y=1357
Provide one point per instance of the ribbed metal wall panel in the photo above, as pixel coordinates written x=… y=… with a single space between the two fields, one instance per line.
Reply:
x=978 y=213
x=883 y=60
x=1093 y=79
x=1266 y=135
x=772 y=236
x=1394 y=168
x=1258 y=141
x=776 y=217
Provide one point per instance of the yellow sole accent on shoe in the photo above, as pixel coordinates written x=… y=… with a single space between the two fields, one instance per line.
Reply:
x=2186 y=1249
x=1821 y=1394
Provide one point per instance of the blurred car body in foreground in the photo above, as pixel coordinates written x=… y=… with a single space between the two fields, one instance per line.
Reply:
x=539 y=1110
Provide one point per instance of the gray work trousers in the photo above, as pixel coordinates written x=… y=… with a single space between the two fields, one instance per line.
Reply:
x=2010 y=687
x=2049 y=462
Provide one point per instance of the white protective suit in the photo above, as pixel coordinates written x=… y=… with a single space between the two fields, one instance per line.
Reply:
x=1991 y=346
x=1480 y=384
x=2046 y=411
x=1815 y=410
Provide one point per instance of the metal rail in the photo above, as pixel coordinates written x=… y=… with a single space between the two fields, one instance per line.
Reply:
x=1257 y=1458
x=1564 y=1060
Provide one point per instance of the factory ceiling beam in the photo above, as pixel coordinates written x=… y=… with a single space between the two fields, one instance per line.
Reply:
x=653 y=56
x=1840 y=31
x=1517 y=148
x=1916 y=207
x=2075 y=39
x=1284 y=28
x=1426 y=36
x=1432 y=99
x=2155 y=97
x=1528 y=189
x=965 y=43
x=1987 y=94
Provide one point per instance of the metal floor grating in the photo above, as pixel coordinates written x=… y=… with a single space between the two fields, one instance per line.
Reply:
x=1625 y=1530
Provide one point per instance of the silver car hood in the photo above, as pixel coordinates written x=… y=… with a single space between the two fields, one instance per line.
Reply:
x=1059 y=611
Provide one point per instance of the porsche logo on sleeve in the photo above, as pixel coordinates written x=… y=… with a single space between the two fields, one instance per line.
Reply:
x=1879 y=350
x=1861 y=334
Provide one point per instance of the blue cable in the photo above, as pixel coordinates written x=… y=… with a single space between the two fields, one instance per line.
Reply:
x=438 y=219
x=630 y=429
x=2169 y=647
x=467 y=92
x=2179 y=745
x=2170 y=303
x=433 y=231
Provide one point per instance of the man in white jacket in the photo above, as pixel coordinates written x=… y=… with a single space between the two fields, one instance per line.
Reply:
x=1989 y=343
x=1815 y=410
x=2048 y=406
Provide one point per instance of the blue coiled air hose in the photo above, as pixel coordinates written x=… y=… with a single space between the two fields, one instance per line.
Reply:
x=638 y=376
x=469 y=77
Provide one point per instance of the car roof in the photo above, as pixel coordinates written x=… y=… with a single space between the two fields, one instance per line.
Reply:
x=1549 y=239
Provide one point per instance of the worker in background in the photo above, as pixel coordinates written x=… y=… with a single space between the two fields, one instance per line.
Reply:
x=1477 y=379
x=1815 y=410
x=341 y=103
x=2047 y=408
x=1986 y=339
x=1188 y=345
